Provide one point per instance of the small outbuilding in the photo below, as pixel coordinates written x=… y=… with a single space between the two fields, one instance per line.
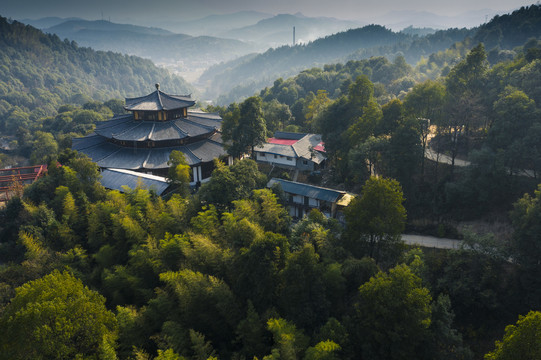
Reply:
x=302 y=198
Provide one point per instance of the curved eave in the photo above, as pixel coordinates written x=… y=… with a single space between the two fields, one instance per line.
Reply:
x=158 y=101
x=108 y=155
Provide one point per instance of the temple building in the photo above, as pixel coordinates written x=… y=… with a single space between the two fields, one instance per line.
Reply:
x=157 y=124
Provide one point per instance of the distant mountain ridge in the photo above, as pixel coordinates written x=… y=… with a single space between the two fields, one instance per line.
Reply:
x=244 y=77
x=285 y=61
x=217 y=25
x=181 y=52
x=47 y=22
x=73 y=26
x=40 y=72
x=278 y=30
x=398 y=20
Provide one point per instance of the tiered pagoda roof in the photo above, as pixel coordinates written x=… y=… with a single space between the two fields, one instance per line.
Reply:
x=158 y=124
x=158 y=100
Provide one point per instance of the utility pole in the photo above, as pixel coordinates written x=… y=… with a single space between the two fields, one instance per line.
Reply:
x=293 y=35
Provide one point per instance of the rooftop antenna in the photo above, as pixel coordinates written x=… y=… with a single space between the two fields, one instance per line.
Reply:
x=293 y=35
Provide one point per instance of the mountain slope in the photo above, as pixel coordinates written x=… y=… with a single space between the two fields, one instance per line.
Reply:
x=217 y=25
x=278 y=30
x=73 y=26
x=39 y=72
x=46 y=22
x=183 y=53
x=508 y=31
x=501 y=33
x=262 y=69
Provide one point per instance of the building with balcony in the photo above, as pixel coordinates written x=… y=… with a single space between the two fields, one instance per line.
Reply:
x=302 y=198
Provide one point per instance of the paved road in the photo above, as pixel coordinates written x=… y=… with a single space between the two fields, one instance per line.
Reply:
x=431 y=241
x=446 y=159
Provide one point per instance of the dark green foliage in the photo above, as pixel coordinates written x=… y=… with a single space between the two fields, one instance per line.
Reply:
x=520 y=340
x=393 y=315
x=510 y=30
x=376 y=219
x=67 y=70
x=229 y=183
x=244 y=127
x=303 y=294
x=525 y=244
x=57 y=317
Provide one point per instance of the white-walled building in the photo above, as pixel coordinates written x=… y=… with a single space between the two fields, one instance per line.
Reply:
x=293 y=151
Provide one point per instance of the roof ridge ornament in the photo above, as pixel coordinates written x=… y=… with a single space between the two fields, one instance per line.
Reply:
x=159 y=97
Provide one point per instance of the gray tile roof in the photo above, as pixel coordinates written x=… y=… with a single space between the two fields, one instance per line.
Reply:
x=304 y=145
x=206 y=150
x=126 y=128
x=311 y=191
x=158 y=100
x=86 y=142
x=108 y=155
x=201 y=126
x=278 y=149
x=115 y=179
x=300 y=149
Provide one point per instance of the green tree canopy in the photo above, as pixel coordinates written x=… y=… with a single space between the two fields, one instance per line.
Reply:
x=57 y=317
x=179 y=171
x=393 y=315
x=526 y=218
x=520 y=341
x=376 y=218
x=244 y=127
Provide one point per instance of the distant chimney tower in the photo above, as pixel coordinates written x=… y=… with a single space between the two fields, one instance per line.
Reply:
x=293 y=35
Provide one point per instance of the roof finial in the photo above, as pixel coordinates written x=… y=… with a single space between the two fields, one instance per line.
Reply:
x=157 y=86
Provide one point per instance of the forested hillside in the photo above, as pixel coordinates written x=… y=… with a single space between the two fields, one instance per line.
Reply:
x=287 y=60
x=240 y=79
x=179 y=52
x=40 y=72
x=277 y=30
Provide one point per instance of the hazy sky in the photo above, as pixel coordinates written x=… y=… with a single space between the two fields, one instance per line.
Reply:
x=153 y=10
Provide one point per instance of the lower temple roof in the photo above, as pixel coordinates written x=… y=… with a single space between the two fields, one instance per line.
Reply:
x=108 y=155
x=126 y=128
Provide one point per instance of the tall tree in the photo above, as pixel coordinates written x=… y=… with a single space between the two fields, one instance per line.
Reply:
x=465 y=108
x=57 y=317
x=179 y=171
x=376 y=219
x=405 y=152
x=245 y=129
x=393 y=315
x=315 y=107
x=520 y=341
x=526 y=243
